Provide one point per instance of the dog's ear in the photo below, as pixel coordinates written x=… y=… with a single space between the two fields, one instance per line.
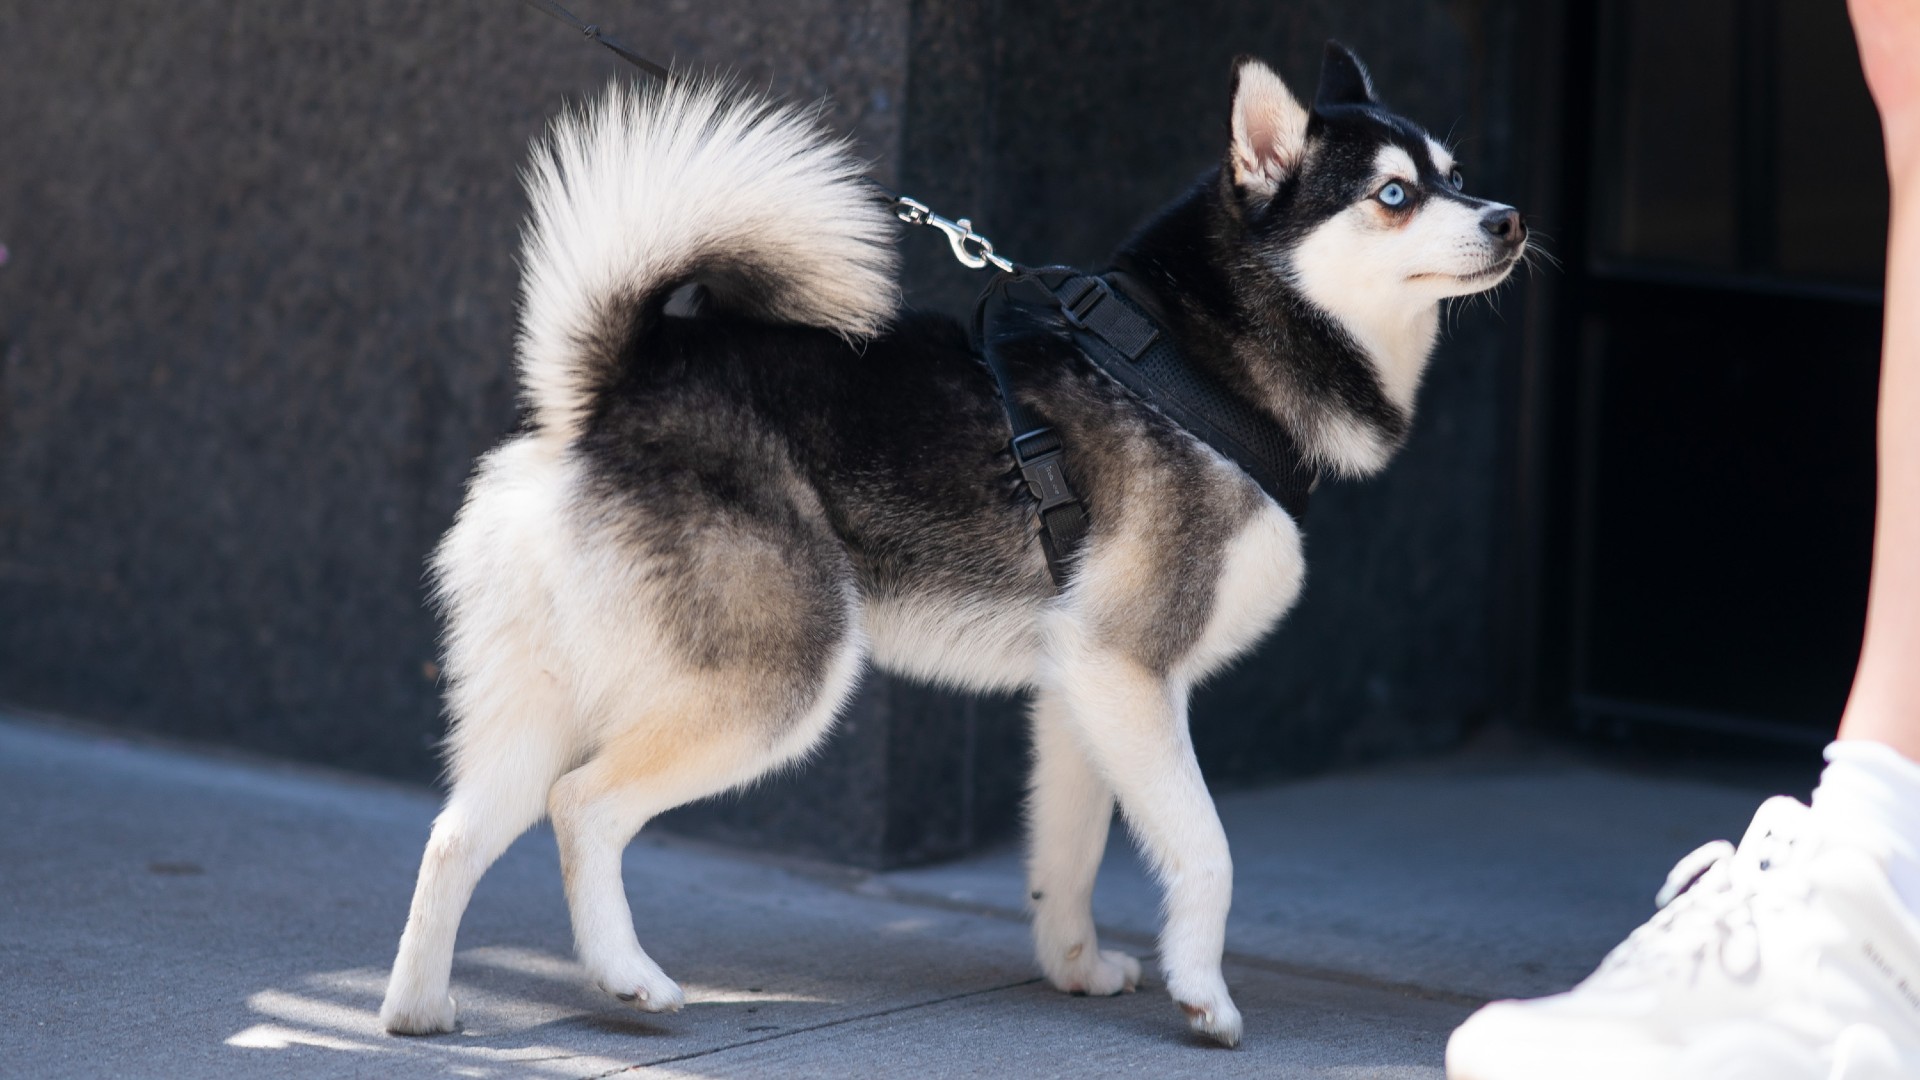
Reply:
x=1269 y=128
x=1343 y=79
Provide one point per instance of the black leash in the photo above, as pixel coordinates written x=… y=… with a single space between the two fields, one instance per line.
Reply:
x=1114 y=329
x=593 y=33
x=973 y=250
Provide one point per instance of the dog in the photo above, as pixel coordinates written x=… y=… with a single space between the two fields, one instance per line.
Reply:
x=667 y=582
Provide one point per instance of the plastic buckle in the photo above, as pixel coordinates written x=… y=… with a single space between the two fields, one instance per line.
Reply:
x=1044 y=472
x=1077 y=309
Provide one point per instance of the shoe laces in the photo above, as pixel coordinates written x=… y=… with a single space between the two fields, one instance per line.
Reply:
x=1711 y=910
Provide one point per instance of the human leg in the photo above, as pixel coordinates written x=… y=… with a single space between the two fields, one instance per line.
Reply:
x=1795 y=956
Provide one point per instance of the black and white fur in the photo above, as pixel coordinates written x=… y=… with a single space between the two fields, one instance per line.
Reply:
x=670 y=580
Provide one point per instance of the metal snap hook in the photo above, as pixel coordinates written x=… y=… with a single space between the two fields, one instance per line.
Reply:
x=972 y=250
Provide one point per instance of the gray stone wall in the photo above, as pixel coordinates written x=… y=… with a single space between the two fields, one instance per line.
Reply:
x=258 y=314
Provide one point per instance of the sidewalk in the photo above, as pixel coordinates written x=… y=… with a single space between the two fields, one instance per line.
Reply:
x=164 y=914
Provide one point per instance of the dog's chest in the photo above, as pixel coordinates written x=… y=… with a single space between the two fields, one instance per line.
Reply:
x=1258 y=579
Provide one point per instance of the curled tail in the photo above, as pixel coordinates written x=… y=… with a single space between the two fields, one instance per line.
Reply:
x=655 y=186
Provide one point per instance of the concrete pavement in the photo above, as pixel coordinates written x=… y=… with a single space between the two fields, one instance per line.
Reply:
x=165 y=913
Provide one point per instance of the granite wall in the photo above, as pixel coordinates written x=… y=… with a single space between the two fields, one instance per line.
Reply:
x=257 y=315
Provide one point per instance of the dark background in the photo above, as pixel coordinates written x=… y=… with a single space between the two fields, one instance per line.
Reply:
x=258 y=314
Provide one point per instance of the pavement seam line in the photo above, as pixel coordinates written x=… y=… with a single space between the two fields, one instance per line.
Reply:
x=1261 y=963
x=822 y=1026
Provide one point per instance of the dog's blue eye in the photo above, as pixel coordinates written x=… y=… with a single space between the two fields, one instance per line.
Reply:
x=1459 y=182
x=1393 y=194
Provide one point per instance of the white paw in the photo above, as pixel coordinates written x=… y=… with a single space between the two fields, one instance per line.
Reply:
x=1094 y=972
x=1211 y=1013
x=641 y=984
x=430 y=1015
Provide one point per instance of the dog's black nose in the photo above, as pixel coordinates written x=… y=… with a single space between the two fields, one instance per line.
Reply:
x=1505 y=225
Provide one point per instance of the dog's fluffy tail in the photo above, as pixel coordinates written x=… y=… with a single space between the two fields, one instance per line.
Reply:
x=656 y=186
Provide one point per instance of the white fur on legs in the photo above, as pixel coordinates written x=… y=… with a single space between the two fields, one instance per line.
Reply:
x=596 y=810
x=1069 y=809
x=1136 y=724
x=702 y=736
x=485 y=812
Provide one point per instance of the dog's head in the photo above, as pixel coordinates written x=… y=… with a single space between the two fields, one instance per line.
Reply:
x=1349 y=198
x=1360 y=211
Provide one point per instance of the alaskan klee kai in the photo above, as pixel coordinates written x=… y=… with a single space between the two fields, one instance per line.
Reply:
x=669 y=581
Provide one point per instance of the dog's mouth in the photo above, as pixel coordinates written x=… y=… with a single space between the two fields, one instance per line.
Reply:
x=1487 y=276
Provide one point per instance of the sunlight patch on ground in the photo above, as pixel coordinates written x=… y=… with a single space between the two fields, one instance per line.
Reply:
x=523 y=961
x=314 y=1012
x=276 y=1037
x=506 y=994
x=568 y=971
x=311 y=1022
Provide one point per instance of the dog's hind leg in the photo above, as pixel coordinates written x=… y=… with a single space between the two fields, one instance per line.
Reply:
x=1069 y=809
x=715 y=732
x=497 y=794
x=596 y=809
x=1135 y=723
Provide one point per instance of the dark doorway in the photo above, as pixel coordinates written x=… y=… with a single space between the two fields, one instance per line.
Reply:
x=1722 y=324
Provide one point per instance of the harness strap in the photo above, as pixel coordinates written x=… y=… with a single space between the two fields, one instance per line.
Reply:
x=1114 y=325
x=1114 y=330
x=1038 y=451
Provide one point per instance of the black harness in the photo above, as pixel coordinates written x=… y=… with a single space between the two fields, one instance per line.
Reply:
x=1115 y=327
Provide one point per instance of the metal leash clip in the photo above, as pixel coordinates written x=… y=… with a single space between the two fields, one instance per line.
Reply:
x=972 y=249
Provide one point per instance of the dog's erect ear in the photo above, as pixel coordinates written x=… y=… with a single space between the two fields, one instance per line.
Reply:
x=1269 y=128
x=1343 y=79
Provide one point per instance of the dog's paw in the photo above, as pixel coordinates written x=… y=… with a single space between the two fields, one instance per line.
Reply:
x=662 y=997
x=1211 y=1012
x=430 y=1015
x=1094 y=972
x=645 y=987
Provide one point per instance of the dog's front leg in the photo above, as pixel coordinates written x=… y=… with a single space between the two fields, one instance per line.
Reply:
x=1134 y=722
x=1069 y=809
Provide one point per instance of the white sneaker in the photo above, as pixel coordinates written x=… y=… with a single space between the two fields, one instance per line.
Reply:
x=1789 y=957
